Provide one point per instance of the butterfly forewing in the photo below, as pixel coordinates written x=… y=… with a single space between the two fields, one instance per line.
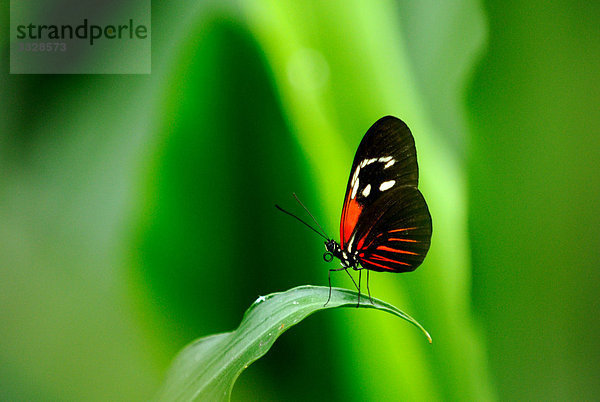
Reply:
x=386 y=158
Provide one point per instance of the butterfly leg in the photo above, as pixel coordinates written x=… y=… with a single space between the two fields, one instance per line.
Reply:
x=369 y=290
x=329 y=277
x=359 y=275
x=353 y=281
x=357 y=286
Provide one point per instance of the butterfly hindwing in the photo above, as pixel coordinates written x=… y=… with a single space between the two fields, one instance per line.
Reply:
x=386 y=158
x=393 y=234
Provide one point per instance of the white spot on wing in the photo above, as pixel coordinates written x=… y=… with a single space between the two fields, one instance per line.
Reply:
x=351 y=241
x=390 y=163
x=386 y=185
x=371 y=161
x=366 y=191
x=355 y=177
x=354 y=189
x=385 y=159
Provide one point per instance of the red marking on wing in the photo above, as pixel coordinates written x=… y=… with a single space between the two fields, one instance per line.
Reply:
x=400 y=230
x=382 y=258
x=396 y=230
x=393 y=250
x=361 y=242
x=350 y=214
x=379 y=265
x=408 y=240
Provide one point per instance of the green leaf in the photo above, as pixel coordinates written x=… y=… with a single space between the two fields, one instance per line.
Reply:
x=207 y=368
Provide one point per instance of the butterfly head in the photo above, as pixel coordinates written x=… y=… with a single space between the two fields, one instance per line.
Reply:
x=334 y=250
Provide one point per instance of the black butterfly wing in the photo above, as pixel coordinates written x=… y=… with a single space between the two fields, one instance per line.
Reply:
x=386 y=158
x=394 y=233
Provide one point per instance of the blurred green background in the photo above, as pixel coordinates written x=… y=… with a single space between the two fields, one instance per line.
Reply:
x=136 y=212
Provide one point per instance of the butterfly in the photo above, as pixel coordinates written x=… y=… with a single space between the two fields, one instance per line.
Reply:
x=385 y=224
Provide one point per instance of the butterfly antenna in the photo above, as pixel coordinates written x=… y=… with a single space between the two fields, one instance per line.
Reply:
x=301 y=221
x=311 y=215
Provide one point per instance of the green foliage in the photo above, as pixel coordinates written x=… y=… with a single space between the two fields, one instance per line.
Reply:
x=207 y=368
